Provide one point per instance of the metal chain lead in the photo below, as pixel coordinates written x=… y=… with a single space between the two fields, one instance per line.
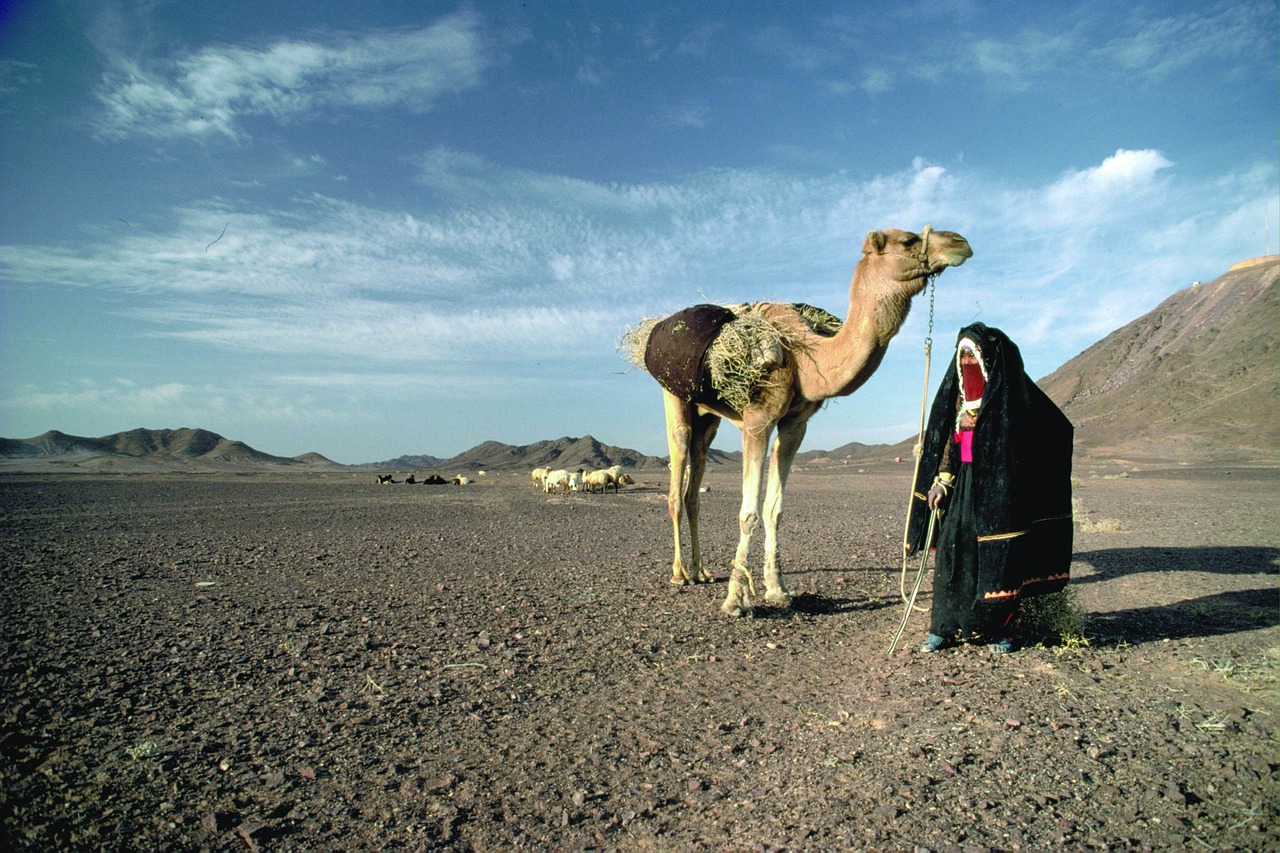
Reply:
x=928 y=338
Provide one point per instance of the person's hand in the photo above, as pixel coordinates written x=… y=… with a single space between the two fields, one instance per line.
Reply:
x=936 y=496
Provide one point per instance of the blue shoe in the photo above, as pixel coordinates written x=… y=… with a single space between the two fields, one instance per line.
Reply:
x=933 y=642
x=1001 y=647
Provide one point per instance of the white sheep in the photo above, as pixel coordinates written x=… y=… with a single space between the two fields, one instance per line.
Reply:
x=622 y=478
x=539 y=476
x=557 y=481
x=460 y=480
x=602 y=479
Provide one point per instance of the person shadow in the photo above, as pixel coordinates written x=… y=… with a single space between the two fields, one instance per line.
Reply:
x=1214 y=614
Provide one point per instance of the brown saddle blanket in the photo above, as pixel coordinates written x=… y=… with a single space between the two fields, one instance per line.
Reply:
x=676 y=354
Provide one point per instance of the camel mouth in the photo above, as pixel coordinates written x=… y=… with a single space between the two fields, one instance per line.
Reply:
x=953 y=254
x=951 y=259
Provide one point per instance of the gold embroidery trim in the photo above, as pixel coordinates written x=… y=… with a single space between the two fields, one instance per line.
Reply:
x=994 y=537
x=1013 y=593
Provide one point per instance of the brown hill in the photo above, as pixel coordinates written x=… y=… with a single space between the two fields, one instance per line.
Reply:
x=1194 y=380
x=566 y=452
x=144 y=449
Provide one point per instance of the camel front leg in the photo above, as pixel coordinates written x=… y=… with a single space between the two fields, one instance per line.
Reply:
x=790 y=437
x=755 y=441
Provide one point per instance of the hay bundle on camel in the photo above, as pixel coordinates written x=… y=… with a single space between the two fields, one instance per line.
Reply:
x=727 y=350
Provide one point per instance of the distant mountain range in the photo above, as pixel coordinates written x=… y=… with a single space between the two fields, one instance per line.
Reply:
x=186 y=448
x=1195 y=379
x=565 y=452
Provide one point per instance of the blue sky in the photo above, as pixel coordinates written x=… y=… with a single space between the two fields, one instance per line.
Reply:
x=373 y=229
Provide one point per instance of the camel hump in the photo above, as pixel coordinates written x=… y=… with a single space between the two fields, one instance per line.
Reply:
x=676 y=353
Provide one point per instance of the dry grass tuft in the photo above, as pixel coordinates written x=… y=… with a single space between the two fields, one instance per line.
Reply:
x=635 y=340
x=1103 y=525
x=1252 y=672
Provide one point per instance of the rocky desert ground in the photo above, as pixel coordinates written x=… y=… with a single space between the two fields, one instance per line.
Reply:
x=316 y=662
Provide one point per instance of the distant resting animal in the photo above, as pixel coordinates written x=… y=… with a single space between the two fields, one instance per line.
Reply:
x=799 y=369
x=602 y=479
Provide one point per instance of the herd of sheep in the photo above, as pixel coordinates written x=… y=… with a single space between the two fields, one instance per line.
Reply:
x=561 y=481
x=553 y=482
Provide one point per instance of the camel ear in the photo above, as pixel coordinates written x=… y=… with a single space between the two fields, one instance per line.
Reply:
x=875 y=242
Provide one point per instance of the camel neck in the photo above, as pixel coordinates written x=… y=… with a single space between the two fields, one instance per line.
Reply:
x=839 y=365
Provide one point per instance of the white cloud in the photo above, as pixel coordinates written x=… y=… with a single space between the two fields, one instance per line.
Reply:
x=539 y=267
x=211 y=91
x=379 y=332
x=1113 y=187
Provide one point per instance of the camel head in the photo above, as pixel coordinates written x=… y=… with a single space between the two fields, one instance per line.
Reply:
x=900 y=256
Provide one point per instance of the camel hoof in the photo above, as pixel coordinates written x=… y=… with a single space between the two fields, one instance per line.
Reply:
x=737 y=610
x=778 y=599
x=706 y=577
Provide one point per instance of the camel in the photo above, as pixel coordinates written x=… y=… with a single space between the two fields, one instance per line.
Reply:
x=808 y=366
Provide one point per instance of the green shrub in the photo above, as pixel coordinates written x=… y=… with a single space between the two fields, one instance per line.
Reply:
x=1053 y=619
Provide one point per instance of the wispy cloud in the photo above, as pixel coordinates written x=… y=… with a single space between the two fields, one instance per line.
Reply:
x=541 y=266
x=211 y=405
x=1015 y=62
x=1092 y=42
x=1237 y=31
x=119 y=393
x=16 y=75
x=213 y=91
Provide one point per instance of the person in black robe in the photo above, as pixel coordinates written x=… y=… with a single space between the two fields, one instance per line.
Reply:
x=996 y=465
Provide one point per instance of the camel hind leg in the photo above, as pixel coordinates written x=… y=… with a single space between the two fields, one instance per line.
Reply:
x=689 y=436
x=705 y=427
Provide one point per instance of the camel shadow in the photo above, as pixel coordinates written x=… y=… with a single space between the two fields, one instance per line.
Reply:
x=1208 y=615
x=815 y=604
x=1223 y=560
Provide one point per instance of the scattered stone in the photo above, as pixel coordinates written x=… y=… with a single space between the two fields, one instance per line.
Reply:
x=593 y=719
